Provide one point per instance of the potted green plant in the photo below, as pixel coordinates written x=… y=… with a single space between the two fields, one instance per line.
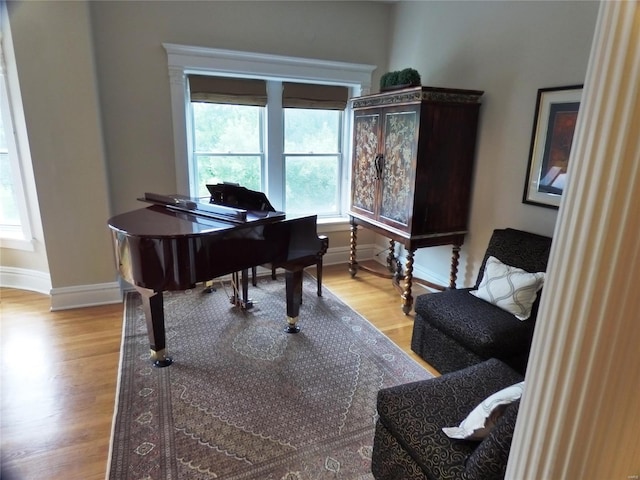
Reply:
x=394 y=80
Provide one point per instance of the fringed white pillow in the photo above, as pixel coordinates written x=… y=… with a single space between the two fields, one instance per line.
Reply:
x=483 y=418
x=509 y=288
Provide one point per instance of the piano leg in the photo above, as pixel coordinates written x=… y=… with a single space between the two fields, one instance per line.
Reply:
x=293 y=280
x=153 y=305
x=240 y=284
x=246 y=303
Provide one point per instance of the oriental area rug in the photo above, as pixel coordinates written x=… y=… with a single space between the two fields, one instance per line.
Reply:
x=245 y=400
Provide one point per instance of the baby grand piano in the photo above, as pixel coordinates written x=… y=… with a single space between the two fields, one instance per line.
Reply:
x=179 y=242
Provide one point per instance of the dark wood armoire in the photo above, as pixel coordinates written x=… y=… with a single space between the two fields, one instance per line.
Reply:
x=413 y=163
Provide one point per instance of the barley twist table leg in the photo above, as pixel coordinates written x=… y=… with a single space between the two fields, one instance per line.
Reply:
x=455 y=257
x=392 y=256
x=353 y=264
x=407 y=299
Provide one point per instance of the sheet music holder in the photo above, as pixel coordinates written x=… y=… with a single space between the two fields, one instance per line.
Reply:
x=233 y=195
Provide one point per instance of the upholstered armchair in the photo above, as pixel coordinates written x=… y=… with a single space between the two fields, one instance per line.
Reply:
x=455 y=328
x=410 y=443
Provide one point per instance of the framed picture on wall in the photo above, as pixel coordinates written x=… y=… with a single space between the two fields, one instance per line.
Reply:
x=553 y=127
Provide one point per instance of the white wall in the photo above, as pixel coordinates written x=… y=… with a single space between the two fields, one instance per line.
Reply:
x=96 y=91
x=54 y=56
x=134 y=81
x=579 y=413
x=95 y=88
x=509 y=50
x=24 y=262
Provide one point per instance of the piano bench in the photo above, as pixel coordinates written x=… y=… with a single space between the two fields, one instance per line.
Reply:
x=301 y=262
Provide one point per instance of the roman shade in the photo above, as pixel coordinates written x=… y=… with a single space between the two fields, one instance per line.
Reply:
x=237 y=91
x=307 y=95
x=252 y=91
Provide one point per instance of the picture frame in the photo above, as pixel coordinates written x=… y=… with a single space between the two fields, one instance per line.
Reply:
x=554 y=126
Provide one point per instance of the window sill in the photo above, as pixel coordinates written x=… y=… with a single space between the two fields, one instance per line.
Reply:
x=17 y=244
x=333 y=224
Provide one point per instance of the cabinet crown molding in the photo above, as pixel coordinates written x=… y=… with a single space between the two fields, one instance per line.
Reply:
x=418 y=94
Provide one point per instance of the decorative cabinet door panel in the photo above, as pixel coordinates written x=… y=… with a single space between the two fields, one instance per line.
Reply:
x=398 y=170
x=364 y=192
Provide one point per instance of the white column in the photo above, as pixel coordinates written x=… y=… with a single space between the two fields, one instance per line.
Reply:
x=580 y=415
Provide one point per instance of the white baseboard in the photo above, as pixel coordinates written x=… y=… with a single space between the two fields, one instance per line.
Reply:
x=61 y=298
x=430 y=276
x=65 y=298
x=341 y=255
x=25 y=279
x=418 y=271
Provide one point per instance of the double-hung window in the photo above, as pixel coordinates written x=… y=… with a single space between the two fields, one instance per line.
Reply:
x=313 y=147
x=10 y=221
x=227 y=123
x=267 y=122
x=312 y=160
x=284 y=138
x=15 y=231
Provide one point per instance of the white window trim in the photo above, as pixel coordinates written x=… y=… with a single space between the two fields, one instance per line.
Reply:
x=19 y=153
x=184 y=60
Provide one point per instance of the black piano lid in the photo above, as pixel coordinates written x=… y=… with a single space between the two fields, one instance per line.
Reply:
x=164 y=222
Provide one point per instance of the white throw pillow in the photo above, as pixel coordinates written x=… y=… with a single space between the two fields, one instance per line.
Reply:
x=510 y=288
x=481 y=420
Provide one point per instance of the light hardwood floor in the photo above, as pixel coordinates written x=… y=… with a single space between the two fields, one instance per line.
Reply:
x=59 y=374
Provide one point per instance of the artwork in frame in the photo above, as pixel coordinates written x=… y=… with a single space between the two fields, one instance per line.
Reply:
x=553 y=127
